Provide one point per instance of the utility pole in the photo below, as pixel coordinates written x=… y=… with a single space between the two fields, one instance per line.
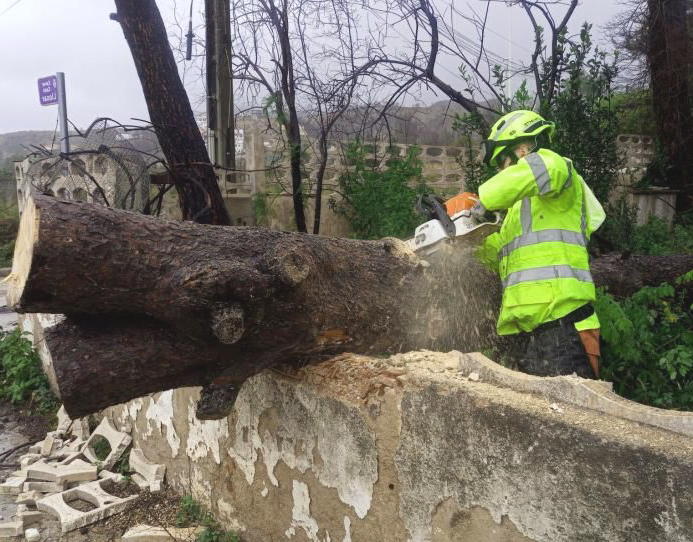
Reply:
x=62 y=111
x=220 y=121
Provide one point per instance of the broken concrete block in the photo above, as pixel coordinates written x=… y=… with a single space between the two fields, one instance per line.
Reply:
x=64 y=421
x=43 y=487
x=32 y=535
x=117 y=440
x=80 y=428
x=11 y=528
x=76 y=471
x=47 y=445
x=36 y=447
x=28 y=497
x=68 y=457
x=28 y=459
x=148 y=533
x=151 y=473
x=40 y=470
x=27 y=517
x=74 y=445
x=70 y=518
x=12 y=486
x=108 y=475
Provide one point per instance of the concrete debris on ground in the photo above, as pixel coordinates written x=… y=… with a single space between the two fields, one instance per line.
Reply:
x=117 y=441
x=61 y=477
x=11 y=528
x=147 y=475
x=104 y=503
x=148 y=533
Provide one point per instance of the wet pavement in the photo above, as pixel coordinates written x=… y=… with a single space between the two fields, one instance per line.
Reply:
x=9 y=436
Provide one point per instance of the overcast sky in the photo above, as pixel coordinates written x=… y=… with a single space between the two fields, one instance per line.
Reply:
x=41 y=37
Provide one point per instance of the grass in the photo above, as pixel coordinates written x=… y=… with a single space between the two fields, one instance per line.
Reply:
x=191 y=513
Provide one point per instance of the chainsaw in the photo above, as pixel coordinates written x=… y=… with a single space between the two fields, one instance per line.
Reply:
x=450 y=222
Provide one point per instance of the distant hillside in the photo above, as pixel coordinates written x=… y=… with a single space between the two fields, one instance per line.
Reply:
x=423 y=125
x=15 y=143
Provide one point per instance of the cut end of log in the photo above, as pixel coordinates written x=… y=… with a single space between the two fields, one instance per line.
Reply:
x=27 y=238
x=227 y=324
x=399 y=249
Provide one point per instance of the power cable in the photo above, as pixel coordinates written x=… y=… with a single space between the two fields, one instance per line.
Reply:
x=9 y=7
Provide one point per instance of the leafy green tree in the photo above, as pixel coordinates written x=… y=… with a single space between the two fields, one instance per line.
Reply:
x=378 y=199
x=586 y=123
x=648 y=344
x=580 y=103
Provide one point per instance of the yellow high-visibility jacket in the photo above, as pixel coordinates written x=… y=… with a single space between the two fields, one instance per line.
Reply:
x=540 y=251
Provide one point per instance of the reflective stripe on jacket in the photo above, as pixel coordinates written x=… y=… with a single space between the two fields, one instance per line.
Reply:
x=540 y=251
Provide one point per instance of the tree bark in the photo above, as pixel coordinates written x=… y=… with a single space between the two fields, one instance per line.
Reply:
x=170 y=112
x=154 y=304
x=623 y=276
x=669 y=65
x=208 y=282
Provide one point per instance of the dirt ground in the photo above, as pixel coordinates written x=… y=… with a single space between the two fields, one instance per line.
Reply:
x=20 y=428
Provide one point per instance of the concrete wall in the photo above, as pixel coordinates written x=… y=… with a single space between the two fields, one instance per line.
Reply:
x=263 y=148
x=124 y=183
x=359 y=449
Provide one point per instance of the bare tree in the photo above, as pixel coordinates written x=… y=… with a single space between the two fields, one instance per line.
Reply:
x=328 y=100
x=628 y=32
x=264 y=59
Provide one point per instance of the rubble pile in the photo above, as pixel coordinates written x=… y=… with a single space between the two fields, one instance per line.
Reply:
x=63 y=477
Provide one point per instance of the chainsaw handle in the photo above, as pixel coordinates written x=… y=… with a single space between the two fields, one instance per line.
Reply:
x=432 y=207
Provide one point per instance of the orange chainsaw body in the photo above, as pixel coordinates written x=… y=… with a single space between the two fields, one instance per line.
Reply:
x=461 y=202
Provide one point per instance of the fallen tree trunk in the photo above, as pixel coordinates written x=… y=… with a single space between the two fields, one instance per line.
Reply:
x=97 y=362
x=624 y=275
x=155 y=304
x=217 y=284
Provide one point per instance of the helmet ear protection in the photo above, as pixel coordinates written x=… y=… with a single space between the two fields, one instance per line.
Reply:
x=520 y=126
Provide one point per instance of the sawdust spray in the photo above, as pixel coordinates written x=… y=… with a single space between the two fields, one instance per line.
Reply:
x=458 y=303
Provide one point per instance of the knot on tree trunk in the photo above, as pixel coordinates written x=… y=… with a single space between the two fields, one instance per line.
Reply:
x=227 y=323
x=289 y=262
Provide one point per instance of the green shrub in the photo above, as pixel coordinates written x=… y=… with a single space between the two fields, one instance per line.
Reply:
x=191 y=512
x=379 y=202
x=21 y=377
x=6 y=254
x=634 y=112
x=657 y=238
x=648 y=344
x=621 y=233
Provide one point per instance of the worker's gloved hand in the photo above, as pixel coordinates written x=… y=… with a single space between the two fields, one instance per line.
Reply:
x=478 y=212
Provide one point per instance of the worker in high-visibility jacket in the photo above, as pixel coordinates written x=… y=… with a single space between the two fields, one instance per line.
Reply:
x=540 y=251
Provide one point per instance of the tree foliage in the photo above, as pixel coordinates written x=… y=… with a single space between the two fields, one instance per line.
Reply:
x=648 y=344
x=580 y=105
x=379 y=201
x=21 y=377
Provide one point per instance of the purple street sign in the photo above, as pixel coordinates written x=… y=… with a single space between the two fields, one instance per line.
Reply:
x=48 y=90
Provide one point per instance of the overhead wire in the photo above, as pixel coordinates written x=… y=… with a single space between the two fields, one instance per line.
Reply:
x=13 y=4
